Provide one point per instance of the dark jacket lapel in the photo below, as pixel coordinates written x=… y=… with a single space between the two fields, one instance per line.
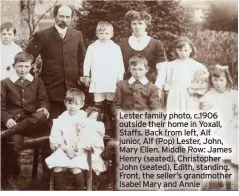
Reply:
x=138 y=86
x=56 y=34
x=131 y=86
x=26 y=83
x=68 y=35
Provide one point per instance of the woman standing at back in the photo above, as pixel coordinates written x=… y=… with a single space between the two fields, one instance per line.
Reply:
x=140 y=43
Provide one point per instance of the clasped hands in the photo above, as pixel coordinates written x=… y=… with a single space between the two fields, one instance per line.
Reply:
x=11 y=122
x=72 y=150
x=86 y=80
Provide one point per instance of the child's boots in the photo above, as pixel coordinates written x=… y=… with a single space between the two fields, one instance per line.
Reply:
x=79 y=181
x=59 y=180
x=108 y=118
x=100 y=106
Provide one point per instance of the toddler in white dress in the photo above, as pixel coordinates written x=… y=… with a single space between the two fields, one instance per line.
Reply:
x=69 y=140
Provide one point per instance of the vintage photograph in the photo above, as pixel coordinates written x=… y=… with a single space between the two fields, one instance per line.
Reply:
x=69 y=69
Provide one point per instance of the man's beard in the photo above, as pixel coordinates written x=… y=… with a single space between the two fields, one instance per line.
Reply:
x=62 y=24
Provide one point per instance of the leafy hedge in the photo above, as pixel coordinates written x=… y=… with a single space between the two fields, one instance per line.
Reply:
x=217 y=47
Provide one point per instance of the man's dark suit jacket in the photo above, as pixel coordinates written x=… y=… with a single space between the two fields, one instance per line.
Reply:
x=17 y=99
x=62 y=60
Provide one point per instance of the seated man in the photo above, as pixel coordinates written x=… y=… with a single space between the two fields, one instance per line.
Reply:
x=24 y=108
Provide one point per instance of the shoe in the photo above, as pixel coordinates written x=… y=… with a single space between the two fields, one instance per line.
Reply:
x=11 y=184
x=4 y=135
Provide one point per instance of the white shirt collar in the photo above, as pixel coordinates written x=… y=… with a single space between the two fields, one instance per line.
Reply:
x=14 y=77
x=60 y=30
x=143 y=81
x=5 y=45
x=99 y=42
x=139 y=45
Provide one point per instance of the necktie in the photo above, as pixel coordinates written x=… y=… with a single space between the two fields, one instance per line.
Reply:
x=62 y=36
x=137 y=82
x=22 y=79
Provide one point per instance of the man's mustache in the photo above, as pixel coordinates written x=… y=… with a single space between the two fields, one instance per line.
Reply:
x=62 y=23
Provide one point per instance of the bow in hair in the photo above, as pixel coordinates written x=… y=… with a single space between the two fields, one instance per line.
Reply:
x=221 y=67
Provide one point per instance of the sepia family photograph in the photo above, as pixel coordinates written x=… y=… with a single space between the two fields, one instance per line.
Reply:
x=69 y=67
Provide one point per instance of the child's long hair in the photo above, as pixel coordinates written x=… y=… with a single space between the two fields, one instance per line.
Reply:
x=219 y=71
x=180 y=43
x=91 y=109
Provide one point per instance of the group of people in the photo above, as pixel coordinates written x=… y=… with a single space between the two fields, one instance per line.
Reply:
x=131 y=76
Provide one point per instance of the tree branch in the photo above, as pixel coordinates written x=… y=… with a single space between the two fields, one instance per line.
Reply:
x=29 y=18
x=44 y=14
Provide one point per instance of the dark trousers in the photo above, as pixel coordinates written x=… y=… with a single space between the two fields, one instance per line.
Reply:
x=57 y=108
x=30 y=125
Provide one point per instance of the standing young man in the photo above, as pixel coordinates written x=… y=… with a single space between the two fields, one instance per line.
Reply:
x=62 y=51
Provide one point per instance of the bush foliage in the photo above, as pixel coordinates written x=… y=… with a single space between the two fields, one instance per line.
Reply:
x=169 y=18
x=217 y=47
x=222 y=16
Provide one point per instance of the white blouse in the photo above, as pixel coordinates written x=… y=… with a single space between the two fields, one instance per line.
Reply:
x=139 y=44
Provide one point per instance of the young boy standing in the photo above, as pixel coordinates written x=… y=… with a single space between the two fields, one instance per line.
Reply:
x=103 y=67
x=24 y=109
x=137 y=93
x=8 y=49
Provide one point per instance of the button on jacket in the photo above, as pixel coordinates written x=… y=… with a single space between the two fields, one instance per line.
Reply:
x=19 y=98
x=132 y=96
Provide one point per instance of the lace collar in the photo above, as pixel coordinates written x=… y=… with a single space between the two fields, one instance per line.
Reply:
x=139 y=45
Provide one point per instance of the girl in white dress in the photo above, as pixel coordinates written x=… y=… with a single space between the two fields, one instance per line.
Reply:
x=103 y=67
x=186 y=79
x=221 y=98
x=67 y=143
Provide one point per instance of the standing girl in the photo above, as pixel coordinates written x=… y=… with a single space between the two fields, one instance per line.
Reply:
x=222 y=101
x=221 y=98
x=186 y=78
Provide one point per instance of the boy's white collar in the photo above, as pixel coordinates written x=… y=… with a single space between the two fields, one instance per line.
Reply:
x=99 y=42
x=14 y=77
x=13 y=43
x=143 y=81
x=139 y=44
